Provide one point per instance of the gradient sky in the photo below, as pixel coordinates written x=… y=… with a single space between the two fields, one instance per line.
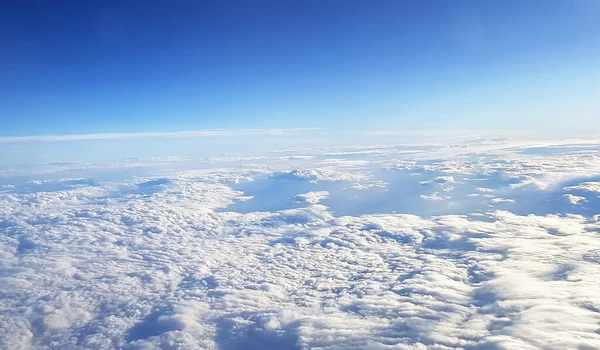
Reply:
x=72 y=67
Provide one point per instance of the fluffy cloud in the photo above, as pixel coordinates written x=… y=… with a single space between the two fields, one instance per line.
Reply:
x=593 y=186
x=312 y=197
x=164 y=261
x=316 y=175
x=574 y=199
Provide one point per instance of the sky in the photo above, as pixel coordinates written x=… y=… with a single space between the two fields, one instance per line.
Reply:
x=80 y=67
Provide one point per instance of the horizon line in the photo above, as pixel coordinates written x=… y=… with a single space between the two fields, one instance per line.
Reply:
x=221 y=132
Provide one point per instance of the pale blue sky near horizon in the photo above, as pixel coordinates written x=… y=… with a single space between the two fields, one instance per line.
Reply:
x=75 y=67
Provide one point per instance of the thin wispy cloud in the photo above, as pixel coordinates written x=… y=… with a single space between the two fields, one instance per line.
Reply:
x=178 y=134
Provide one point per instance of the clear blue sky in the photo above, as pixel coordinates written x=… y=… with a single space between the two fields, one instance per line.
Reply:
x=137 y=66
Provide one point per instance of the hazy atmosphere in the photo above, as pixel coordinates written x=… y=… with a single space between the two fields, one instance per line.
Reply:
x=300 y=175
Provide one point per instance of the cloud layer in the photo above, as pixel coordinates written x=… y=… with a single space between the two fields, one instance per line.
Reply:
x=314 y=249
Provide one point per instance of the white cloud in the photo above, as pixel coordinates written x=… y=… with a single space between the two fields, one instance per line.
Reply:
x=320 y=174
x=435 y=196
x=312 y=197
x=484 y=189
x=178 y=134
x=158 y=261
x=502 y=200
x=575 y=200
x=591 y=186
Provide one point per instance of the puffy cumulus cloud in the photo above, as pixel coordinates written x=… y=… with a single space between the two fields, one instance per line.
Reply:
x=312 y=197
x=160 y=262
x=322 y=174
x=574 y=199
x=592 y=186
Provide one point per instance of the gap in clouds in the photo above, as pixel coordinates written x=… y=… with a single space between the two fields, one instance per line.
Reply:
x=418 y=193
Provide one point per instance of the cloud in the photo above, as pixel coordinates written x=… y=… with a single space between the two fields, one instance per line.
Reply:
x=484 y=189
x=312 y=197
x=592 y=186
x=162 y=259
x=435 y=196
x=574 y=199
x=178 y=134
x=322 y=174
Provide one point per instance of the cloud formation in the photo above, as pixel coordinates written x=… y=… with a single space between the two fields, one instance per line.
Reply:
x=164 y=261
x=177 y=134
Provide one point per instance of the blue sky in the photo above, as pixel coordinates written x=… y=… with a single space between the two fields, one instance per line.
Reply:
x=73 y=67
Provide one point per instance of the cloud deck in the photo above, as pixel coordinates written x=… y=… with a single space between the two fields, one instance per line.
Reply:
x=469 y=246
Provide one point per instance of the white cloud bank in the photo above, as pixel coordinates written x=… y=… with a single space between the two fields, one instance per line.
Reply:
x=160 y=262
